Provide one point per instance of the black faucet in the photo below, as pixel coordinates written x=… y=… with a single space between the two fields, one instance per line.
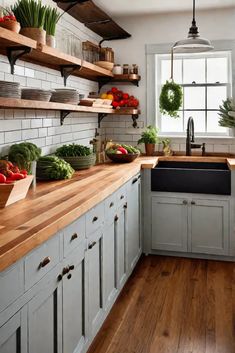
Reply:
x=190 y=139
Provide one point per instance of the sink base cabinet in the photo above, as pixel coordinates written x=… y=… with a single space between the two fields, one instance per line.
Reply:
x=65 y=288
x=193 y=225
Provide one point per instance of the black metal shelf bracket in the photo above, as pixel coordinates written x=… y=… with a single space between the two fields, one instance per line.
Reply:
x=67 y=70
x=14 y=53
x=104 y=81
x=63 y=115
x=101 y=116
x=134 y=118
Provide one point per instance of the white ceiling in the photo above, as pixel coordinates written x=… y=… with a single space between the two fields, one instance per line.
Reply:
x=118 y=8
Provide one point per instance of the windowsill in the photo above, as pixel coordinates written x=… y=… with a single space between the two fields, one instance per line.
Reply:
x=201 y=137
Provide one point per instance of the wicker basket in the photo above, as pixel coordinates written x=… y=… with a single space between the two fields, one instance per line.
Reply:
x=10 y=193
x=83 y=162
x=122 y=158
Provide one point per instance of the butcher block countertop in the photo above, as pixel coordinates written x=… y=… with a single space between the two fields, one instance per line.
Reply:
x=55 y=204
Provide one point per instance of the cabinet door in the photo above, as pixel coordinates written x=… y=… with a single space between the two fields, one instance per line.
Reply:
x=109 y=264
x=44 y=320
x=169 y=223
x=75 y=302
x=210 y=226
x=133 y=222
x=13 y=334
x=95 y=282
x=120 y=235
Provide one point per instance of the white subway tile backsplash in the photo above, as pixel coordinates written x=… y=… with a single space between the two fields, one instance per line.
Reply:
x=29 y=72
x=29 y=134
x=9 y=125
x=13 y=136
x=36 y=123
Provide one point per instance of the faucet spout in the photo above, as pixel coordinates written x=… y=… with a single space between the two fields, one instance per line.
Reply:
x=191 y=139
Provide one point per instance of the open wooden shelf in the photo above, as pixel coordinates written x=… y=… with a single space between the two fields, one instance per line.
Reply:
x=128 y=79
x=87 y=12
x=50 y=57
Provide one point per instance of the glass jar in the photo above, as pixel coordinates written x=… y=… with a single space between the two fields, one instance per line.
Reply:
x=125 y=69
x=117 y=69
x=135 y=69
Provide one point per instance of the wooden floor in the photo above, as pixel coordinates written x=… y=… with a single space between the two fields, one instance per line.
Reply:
x=173 y=305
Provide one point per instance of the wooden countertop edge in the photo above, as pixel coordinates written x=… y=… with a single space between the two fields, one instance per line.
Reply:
x=17 y=252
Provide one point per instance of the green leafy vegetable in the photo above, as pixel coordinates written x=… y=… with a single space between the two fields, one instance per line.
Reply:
x=22 y=154
x=52 y=167
x=73 y=150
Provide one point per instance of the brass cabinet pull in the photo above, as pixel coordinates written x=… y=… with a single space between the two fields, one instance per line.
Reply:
x=134 y=180
x=90 y=246
x=185 y=202
x=193 y=203
x=111 y=204
x=74 y=236
x=44 y=262
x=95 y=219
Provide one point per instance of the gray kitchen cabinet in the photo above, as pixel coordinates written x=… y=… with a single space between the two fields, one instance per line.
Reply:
x=44 y=319
x=13 y=334
x=209 y=226
x=120 y=235
x=109 y=263
x=169 y=224
x=95 y=281
x=133 y=219
x=75 y=314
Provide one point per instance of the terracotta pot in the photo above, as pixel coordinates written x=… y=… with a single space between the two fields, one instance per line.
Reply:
x=37 y=34
x=50 y=41
x=11 y=25
x=149 y=149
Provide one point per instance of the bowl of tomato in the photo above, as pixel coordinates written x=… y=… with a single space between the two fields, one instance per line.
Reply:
x=122 y=153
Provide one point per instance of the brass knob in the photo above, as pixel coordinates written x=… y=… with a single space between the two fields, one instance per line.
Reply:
x=111 y=204
x=95 y=219
x=69 y=276
x=74 y=236
x=71 y=268
x=122 y=197
x=44 y=262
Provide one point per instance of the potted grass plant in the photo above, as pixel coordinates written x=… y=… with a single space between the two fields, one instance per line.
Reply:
x=78 y=156
x=149 y=138
x=31 y=16
x=8 y=20
x=52 y=17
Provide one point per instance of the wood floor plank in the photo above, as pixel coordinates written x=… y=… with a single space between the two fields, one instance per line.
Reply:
x=173 y=305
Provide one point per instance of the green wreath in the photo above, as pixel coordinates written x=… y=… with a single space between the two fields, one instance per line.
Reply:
x=171 y=99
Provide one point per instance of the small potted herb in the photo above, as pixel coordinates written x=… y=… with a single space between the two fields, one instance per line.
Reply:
x=52 y=17
x=8 y=20
x=227 y=115
x=78 y=156
x=149 y=138
x=31 y=16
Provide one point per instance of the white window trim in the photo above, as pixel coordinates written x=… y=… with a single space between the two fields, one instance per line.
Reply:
x=152 y=107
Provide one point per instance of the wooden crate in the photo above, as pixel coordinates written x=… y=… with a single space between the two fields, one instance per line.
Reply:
x=10 y=193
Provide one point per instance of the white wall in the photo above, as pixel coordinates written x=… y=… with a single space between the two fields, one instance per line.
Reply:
x=156 y=29
x=42 y=127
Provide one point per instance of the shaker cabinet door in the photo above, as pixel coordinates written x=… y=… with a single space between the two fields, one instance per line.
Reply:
x=169 y=223
x=120 y=236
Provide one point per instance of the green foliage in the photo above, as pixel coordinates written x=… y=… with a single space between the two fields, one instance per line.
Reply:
x=225 y=119
x=130 y=149
x=73 y=150
x=52 y=17
x=30 y=13
x=52 y=167
x=22 y=154
x=171 y=99
x=149 y=135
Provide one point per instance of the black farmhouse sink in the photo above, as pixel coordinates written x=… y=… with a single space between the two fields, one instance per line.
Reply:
x=191 y=177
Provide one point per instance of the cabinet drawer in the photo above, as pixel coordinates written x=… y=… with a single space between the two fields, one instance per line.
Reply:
x=11 y=285
x=95 y=218
x=41 y=261
x=74 y=234
x=110 y=207
x=121 y=196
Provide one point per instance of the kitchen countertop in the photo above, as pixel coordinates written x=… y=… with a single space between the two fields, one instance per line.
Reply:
x=55 y=204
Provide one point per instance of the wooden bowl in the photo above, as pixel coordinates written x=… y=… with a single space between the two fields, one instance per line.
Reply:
x=10 y=193
x=105 y=65
x=81 y=162
x=122 y=158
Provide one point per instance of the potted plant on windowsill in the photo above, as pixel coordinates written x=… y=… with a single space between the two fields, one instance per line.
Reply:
x=149 y=138
x=227 y=116
x=31 y=16
x=52 y=17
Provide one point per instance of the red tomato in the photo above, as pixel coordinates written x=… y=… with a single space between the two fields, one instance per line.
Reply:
x=122 y=103
x=17 y=176
x=125 y=96
x=115 y=104
x=2 y=178
x=122 y=150
x=114 y=89
x=24 y=171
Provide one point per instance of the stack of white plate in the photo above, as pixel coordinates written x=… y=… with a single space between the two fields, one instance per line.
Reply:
x=10 y=89
x=36 y=94
x=65 y=95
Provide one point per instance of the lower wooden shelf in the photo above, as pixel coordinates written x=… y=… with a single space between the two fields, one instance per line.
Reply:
x=65 y=109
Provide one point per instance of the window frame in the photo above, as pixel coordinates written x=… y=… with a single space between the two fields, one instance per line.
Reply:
x=154 y=85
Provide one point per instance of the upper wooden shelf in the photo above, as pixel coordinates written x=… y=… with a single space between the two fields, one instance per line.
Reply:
x=128 y=79
x=87 y=12
x=50 y=57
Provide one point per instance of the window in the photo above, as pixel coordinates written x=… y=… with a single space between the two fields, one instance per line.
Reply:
x=206 y=81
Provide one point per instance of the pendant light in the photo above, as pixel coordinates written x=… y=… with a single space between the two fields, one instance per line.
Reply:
x=194 y=43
